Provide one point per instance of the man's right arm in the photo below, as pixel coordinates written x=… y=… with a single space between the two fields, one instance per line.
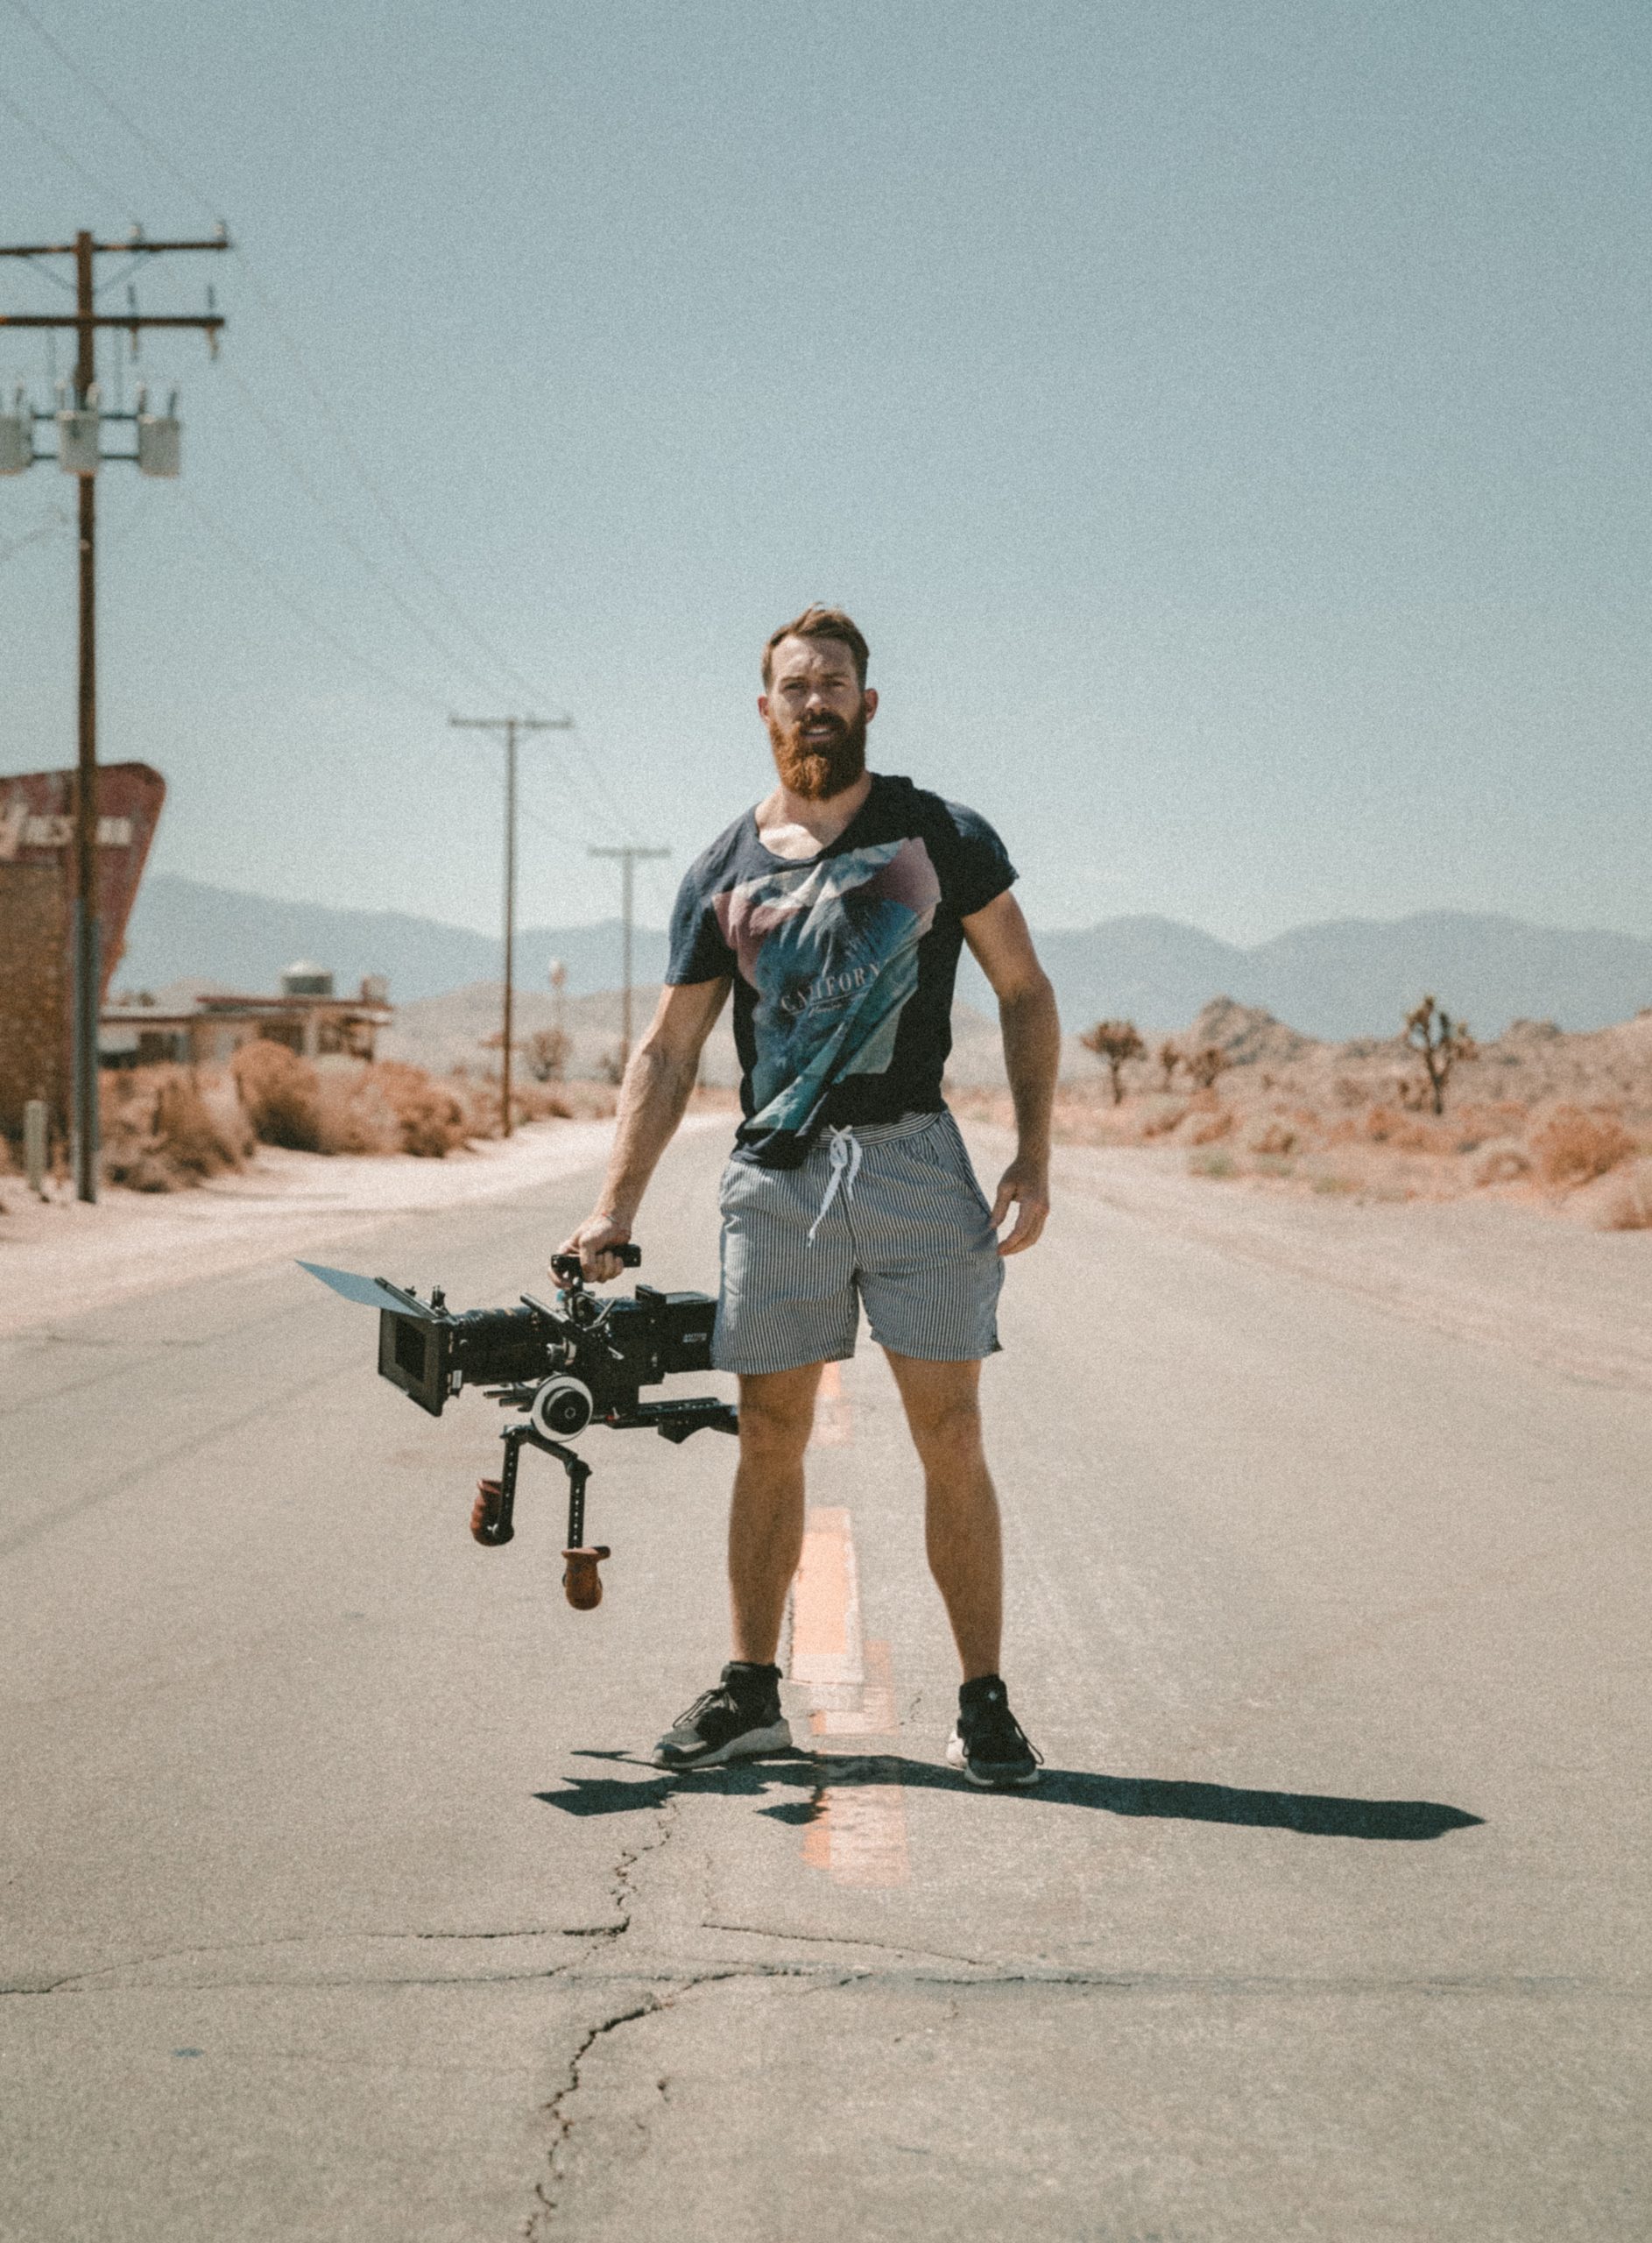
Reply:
x=652 y=1100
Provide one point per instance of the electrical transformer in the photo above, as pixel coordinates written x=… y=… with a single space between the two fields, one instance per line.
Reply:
x=17 y=437
x=78 y=430
x=159 y=438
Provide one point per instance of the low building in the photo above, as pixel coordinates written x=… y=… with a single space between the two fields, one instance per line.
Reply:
x=305 y=1016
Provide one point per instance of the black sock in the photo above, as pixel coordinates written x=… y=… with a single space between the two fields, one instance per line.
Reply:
x=751 y=1686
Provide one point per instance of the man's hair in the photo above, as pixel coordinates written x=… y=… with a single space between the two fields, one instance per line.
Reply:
x=816 y=622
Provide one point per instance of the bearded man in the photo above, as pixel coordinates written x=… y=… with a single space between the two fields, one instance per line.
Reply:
x=836 y=910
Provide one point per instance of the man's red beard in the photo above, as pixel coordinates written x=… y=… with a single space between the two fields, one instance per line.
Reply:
x=819 y=768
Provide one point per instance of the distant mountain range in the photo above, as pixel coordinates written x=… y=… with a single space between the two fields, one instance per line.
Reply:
x=183 y=929
x=1345 y=978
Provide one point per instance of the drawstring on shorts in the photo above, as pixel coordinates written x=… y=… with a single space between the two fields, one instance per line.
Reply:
x=843 y=1148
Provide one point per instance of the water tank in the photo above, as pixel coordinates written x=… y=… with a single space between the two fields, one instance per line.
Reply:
x=77 y=428
x=159 y=438
x=305 y=979
x=375 y=989
x=17 y=437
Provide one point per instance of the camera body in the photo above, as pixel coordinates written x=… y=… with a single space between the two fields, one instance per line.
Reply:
x=570 y=1363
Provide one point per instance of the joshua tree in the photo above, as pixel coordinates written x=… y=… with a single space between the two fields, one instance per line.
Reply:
x=1113 y=1041
x=1442 y=1042
x=1169 y=1060
x=1206 y=1065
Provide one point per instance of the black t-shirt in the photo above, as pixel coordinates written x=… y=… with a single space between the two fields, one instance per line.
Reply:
x=842 y=963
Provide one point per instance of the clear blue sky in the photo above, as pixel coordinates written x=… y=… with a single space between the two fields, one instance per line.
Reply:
x=1229 y=422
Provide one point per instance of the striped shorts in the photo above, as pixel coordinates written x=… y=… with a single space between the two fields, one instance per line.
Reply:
x=889 y=1215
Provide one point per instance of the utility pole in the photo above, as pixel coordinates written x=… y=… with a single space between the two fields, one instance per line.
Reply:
x=83 y=461
x=629 y=856
x=510 y=726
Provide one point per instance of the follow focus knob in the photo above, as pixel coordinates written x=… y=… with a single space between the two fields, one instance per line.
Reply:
x=562 y=1407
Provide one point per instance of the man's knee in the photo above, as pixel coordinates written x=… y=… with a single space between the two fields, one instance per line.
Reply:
x=777 y=1414
x=946 y=1428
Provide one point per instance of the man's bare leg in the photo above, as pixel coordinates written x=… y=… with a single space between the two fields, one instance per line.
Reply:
x=961 y=1521
x=766 y=1519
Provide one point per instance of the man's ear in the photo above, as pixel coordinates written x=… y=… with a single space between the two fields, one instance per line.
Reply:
x=763 y=706
x=869 y=702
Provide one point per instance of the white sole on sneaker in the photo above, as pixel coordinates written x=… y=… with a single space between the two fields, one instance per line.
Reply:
x=750 y=1746
x=955 y=1759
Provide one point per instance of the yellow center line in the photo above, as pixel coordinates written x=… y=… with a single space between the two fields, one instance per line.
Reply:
x=834 y=1412
x=859 y=1833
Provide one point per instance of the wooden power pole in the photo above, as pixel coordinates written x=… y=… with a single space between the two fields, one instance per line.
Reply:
x=630 y=856
x=85 y=320
x=510 y=726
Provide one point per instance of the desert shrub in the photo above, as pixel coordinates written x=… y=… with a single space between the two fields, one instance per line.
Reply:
x=536 y=1102
x=391 y=1107
x=1502 y=1162
x=1209 y=1125
x=431 y=1119
x=1630 y=1208
x=1217 y=1164
x=1274 y=1139
x=1166 y=1119
x=1169 y=1058
x=1573 y=1146
x=282 y=1094
x=1386 y=1125
x=1205 y=1065
x=547 y=1053
x=166 y=1128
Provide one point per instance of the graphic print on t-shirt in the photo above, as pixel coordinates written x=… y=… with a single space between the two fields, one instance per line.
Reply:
x=831 y=949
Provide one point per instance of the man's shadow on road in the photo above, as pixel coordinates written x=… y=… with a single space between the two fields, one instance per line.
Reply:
x=1312 y=1813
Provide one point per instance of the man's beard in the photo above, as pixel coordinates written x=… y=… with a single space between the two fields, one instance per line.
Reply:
x=819 y=768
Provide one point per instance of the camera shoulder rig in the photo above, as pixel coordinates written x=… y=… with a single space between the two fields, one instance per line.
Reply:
x=565 y=1364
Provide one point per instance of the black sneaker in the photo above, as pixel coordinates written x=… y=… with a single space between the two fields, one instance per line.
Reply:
x=738 y=1721
x=988 y=1744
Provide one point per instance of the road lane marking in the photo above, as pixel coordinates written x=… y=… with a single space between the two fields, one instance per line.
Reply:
x=834 y=1411
x=858 y=1834
x=826 y=1647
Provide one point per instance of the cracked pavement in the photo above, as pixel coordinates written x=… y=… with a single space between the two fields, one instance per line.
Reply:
x=339 y=1901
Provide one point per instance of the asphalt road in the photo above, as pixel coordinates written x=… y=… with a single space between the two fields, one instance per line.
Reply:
x=340 y=1902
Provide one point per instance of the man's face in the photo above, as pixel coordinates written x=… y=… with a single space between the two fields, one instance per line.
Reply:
x=816 y=716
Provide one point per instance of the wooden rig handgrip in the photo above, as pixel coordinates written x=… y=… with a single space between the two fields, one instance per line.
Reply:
x=581 y=1579
x=490 y=1521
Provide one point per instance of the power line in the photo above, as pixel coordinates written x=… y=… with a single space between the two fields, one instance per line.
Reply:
x=64 y=155
x=344 y=534
x=329 y=637
x=59 y=520
x=144 y=139
x=616 y=814
x=310 y=622
x=262 y=295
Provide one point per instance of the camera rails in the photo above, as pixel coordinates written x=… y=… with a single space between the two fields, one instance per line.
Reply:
x=569 y=1365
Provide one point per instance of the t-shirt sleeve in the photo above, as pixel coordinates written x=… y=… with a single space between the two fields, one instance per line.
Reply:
x=983 y=869
x=696 y=950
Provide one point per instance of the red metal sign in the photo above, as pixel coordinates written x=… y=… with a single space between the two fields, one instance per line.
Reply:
x=37 y=895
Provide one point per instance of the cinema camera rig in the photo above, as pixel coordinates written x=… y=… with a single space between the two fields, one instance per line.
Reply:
x=570 y=1364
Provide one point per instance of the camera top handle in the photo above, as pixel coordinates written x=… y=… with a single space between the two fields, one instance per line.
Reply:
x=567 y=1269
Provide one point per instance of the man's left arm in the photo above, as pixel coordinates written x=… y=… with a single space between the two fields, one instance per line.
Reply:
x=1003 y=946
